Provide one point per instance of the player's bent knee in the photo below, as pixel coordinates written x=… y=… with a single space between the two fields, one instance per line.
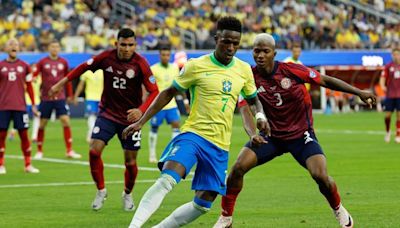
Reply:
x=203 y=206
x=167 y=181
x=238 y=170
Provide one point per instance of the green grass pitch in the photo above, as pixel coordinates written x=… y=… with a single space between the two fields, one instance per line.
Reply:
x=278 y=194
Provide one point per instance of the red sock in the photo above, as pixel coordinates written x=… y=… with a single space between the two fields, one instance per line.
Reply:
x=97 y=168
x=229 y=200
x=332 y=195
x=25 y=146
x=3 y=136
x=398 y=128
x=40 y=138
x=68 y=138
x=387 y=123
x=131 y=172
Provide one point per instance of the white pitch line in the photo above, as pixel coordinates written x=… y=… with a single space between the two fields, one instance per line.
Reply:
x=85 y=163
x=71 y=184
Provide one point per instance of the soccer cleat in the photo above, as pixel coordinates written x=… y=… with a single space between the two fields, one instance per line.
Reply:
x=73 y=154
x=3 y=169
x=98 y=201
x=31 y=169
x=343 y=217
x=223 y=222
x=387 y=137
x=38 y=155
x=397 y=139
x=127 y=202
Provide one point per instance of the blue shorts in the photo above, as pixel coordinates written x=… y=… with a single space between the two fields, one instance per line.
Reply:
x=301 y=149
x=104 y=129
x=20 y=118
x=390 y=104
x=92 y=107
x=171 y=115
x=212 y=162
x=47 y=107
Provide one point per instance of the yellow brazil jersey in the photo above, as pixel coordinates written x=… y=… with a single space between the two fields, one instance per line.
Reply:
x=214 y=89
x=36 y=91
x=93 y=84
x=164 y=77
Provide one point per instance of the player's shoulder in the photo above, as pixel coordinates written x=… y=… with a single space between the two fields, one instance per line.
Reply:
x=240 y=63
x=63 y=60
x=390 y=64
x=23 y=63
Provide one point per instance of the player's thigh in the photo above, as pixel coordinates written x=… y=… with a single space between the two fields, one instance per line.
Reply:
x=62 y=108
x=21 y=120
x=265 y=152
x=5 y=118
x=157 y=119
x=173 y=116
x=304 y=148
x=104 y=129
x=182 y=150
x=46 y=108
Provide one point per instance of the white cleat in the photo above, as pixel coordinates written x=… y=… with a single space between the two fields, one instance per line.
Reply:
x=2 y=169
x=98 y=201
x=397 y=139
x=31 y=169
x=223 y=222
x=153 y=160
x=73 y=154
x=38 y=155
x=127 y=202
x=387 y=137
x=343 y=217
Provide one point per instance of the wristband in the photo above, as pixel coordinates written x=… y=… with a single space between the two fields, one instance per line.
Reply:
x=260 y=116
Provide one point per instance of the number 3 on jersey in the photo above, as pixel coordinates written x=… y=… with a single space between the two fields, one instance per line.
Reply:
x=279 y=99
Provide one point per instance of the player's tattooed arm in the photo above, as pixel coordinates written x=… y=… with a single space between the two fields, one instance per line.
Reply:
x=249 y=125
x=339 y=85
x=258 y=111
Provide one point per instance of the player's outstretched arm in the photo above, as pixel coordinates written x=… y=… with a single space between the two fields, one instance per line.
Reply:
x=258 y=111
x=249 y=125
x=339 y=85
x=161 y=100
x=78 y=91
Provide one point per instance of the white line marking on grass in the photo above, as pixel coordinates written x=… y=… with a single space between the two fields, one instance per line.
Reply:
x=71 y=184
x=85 y=163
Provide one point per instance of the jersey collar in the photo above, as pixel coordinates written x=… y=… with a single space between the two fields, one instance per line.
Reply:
x=218 y=63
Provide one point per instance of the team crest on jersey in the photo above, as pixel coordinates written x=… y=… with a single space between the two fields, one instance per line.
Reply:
x=4 y=69
x=20 y=69
x=226 y=86
x=286 y=83
x=130 y=73
x=47 y=66
x=60 y=66
x=312 y=74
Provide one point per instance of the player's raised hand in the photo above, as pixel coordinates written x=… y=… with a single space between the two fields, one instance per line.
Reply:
x=263 y=126
x=55 y=89
x=257 y=140
x=368 y=98
x=131 y=129
x=134 y=115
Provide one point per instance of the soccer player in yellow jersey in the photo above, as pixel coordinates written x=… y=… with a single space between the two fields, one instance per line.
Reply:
x=93 y=83
x=36 y=119
x=164 y=73
x=214 y=82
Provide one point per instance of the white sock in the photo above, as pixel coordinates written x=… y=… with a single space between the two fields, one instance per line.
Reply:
x=35 y=127
x=91 y=121
x=152 y=144
x=183 y=215
x=175 y=132
x=152 y=199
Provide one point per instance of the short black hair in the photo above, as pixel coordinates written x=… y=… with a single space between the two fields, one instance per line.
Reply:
x=229 y=23
x=126 y=33
x=164 y=47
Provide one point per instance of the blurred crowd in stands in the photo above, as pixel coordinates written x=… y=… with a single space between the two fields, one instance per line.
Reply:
x=315 y=24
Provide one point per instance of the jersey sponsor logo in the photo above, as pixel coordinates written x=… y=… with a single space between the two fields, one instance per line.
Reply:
x=152 y=79
x=261 y=89
x=110 y=69
x=286 y=83
x=312 y=74
x=307 y=137
x=226 y=86
x=4 y=69
x=130 y=73
x=60 y=66
x=20 y=69
x=90 y=61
